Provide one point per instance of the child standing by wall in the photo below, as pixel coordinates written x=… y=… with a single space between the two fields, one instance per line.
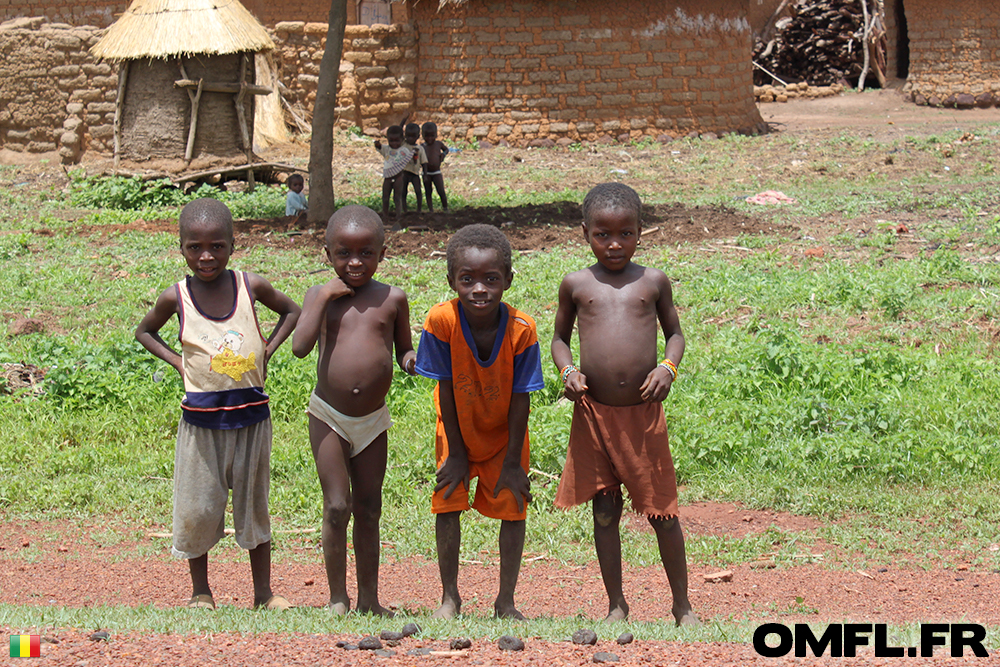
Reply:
x=396 y=157
x=436 y=152
x=357 y=322
x=484 y=355
x=411 y=172
x=224 y=438
x=619 y=435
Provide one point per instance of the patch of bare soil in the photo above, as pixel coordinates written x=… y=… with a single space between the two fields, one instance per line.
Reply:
x=531 y=227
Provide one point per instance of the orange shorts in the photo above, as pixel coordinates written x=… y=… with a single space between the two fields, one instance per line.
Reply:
x=503 y=507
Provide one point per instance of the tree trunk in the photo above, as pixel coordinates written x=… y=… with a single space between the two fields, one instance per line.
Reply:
x=321 y=199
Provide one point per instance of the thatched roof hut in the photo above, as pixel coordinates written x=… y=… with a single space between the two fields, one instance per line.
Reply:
x=186 y=80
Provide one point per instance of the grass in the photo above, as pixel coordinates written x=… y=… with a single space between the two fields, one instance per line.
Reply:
x=859 y=391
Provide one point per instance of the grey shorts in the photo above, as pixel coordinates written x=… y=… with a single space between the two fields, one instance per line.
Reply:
x=207 y=464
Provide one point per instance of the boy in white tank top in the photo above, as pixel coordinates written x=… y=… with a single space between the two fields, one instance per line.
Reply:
x=224 y=437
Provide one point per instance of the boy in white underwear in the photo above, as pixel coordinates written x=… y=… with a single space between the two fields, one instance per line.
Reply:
x=357 y=322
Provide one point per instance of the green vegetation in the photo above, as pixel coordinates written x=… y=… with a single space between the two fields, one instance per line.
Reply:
x=859 y=388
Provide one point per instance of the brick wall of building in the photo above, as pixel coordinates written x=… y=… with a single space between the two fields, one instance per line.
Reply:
x=378 y=71
x=53 y=95
x=954 y=51
x=100 y=13
x=537 y=72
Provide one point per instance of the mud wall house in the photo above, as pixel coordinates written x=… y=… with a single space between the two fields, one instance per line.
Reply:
x=537 y=72
x=948 y=51
x=185 y=80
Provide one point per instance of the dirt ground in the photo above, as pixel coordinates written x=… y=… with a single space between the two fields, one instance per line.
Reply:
x=58 y=564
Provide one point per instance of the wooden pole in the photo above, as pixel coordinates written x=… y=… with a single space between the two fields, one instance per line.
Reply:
x=195 y=98
x=119 y=101
x=242 y=117
x=864 y=45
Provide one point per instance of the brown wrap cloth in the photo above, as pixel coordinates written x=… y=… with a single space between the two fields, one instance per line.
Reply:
x=613 y=445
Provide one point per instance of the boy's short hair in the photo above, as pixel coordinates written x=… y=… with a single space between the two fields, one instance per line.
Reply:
x=295 y=178
x=394 y=131
x=356 y=216
x=430 y=125
x=484 y=237
x=205 y=211
x=412 y=127
x=611 y=196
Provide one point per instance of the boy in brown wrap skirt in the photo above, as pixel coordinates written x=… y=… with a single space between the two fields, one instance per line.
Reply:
x=619 y=435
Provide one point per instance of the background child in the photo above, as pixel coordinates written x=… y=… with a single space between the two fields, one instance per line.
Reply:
x=484 y=355
x=436 y=153
x=396 y=156
x=296 y=203
x=357 y=321
x=411 y=172
x=619 y=434
x=224 y=438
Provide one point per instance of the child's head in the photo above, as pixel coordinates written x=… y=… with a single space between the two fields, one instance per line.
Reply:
x=612 y=219
x=295 y=182
x=430 y=132
x=355 y=244
x=206 y=237
x=479 y=268
x=412 y=133
x=394 y=135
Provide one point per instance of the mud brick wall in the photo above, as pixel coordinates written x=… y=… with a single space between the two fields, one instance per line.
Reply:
x=53 y=94
x=100 y=13
x=954 y=53
x=311 y=11
x=378 y=71
x=533 y=73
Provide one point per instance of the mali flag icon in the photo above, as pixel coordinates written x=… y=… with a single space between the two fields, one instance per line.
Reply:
x=26 y=646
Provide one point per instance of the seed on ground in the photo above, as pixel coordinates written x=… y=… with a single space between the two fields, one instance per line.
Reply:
x=410 y=629
x=391 y=635
x=625 y=638
x=585 y=636
x=460 y=644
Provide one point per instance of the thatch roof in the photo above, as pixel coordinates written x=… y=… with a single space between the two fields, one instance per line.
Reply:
x=170 y=28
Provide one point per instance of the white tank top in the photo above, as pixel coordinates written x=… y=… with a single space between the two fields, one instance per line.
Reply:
x=223 y=360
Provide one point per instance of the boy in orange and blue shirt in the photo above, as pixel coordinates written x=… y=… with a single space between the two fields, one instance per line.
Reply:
x=485 y=356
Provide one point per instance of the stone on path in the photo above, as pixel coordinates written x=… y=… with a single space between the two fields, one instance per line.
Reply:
x=508 y=643
x=369 y=643
x=585 y=636
x=460 y=644
x=625 y=638
x=602 y=656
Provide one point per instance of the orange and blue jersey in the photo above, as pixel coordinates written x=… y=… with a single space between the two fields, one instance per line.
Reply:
x=482 y=389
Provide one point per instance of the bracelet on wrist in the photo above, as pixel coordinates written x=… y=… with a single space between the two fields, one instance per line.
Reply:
x=566 y=370
x=671 y=368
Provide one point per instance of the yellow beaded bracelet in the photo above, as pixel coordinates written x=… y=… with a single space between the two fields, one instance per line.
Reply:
x=671 y=368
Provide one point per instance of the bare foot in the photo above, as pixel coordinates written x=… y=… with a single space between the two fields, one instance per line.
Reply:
x=376 y=610
x=448 y=609
x=338 y=608
x=507 y=611
x=617 y=613
x=687 y=618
